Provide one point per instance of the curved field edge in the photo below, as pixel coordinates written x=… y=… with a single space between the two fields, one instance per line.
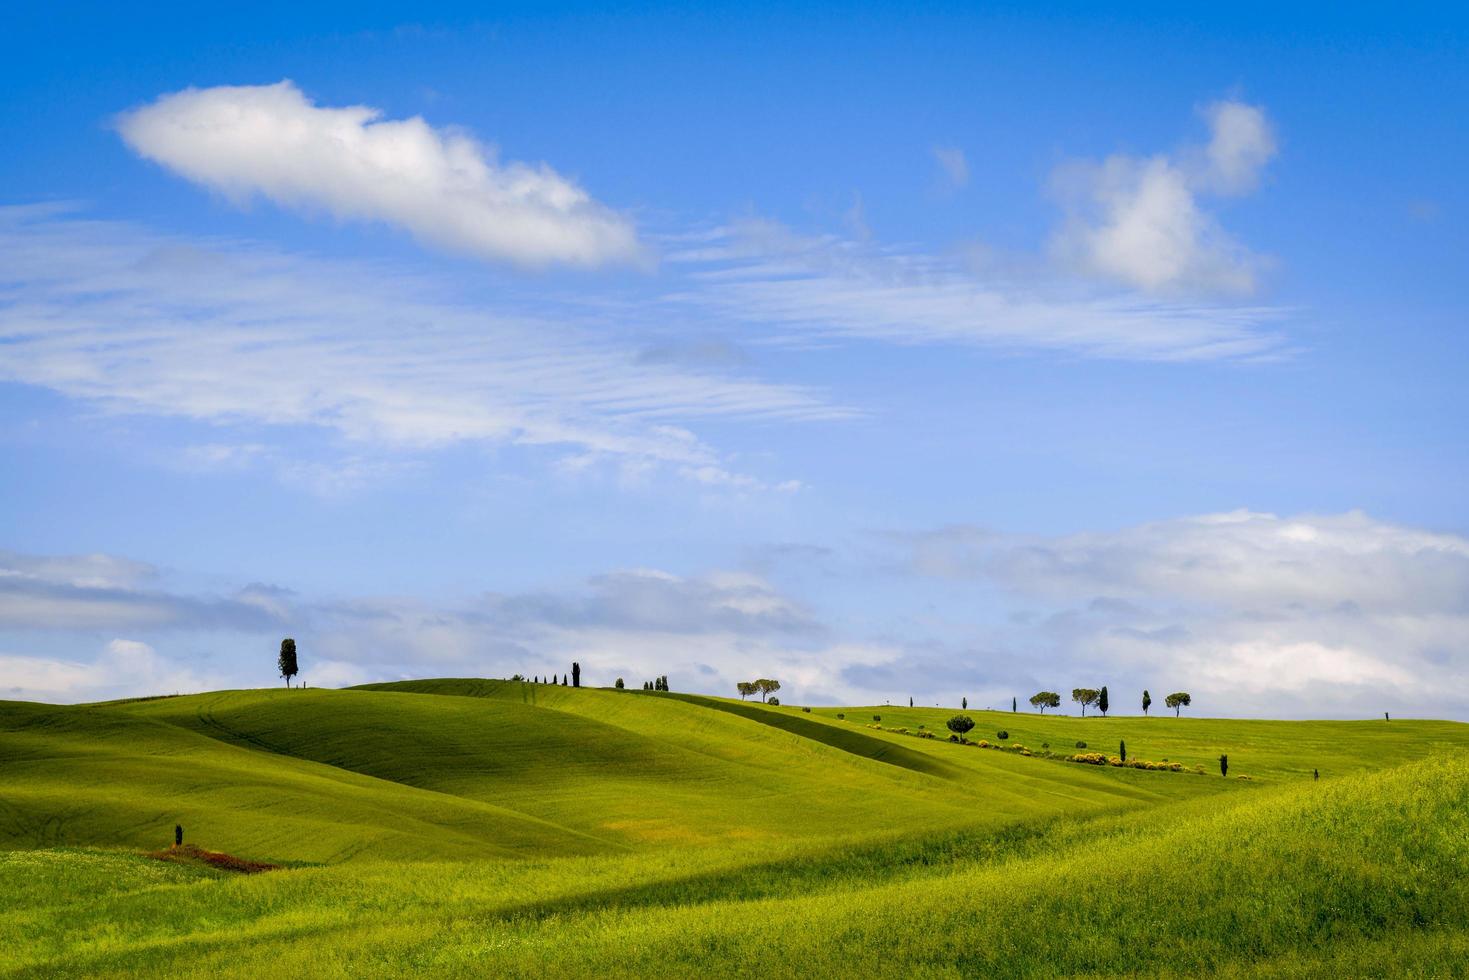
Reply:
x=1293 y=880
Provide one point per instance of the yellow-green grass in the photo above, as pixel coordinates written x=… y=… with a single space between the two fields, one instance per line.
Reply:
x=1360 y=873
x=1263 y=749
x=99 y=775
x=496 y=827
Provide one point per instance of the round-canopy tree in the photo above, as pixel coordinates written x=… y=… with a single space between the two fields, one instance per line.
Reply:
x=1084 y=696
x=960 y=725
x=1178 y=699
x=1044 y=700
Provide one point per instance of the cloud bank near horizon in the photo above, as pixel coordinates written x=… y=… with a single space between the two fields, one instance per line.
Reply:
x=1255 y=614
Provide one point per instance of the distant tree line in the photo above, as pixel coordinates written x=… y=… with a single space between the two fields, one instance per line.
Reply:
x=1089 y=696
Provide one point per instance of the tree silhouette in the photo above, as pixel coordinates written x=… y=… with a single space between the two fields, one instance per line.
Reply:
x=964 y=703
x=1178 y=699
x=1102 y=701
x=959 y=725
x=1224 y=766
x=1122 y=749
x=1014 y=702
x=575 y=674
x=1045 y=699
x=1084 y=696
x=287 y=661
x=1147 y=701
x=766 y=687
x=619 y=683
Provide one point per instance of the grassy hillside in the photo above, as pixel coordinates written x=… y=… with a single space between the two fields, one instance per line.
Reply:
x=1359 y=874
x=511 y=829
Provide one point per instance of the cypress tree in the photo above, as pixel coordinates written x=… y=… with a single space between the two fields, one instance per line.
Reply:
x=964 y=703
x=1013 y=702
x=287 y=660
x=1224 y=766
x=1147 y=701
x=575 y=674
x=1122 y=749
x=1102 y=701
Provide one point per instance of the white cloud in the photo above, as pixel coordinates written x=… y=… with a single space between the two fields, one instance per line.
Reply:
x=136 y=322
x=1138 y=220
x=1302 y=615
x=955 y=166
x=123 y=668
x=104 y=592
x=442 y=186
x=826 y=288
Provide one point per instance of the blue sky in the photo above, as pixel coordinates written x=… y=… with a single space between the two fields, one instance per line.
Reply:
x=935 y=354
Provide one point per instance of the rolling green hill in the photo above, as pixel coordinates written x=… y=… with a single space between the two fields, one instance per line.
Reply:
x=449 y=826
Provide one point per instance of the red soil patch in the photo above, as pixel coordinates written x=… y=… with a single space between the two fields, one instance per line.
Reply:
x=188 y=853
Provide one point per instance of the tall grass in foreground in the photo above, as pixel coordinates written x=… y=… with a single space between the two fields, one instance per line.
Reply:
x=1363 y=874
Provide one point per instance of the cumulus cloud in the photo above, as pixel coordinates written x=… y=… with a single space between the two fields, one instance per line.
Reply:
x=952 y=162
x=1301 y=615
x=1138 y=220
x=440 y=185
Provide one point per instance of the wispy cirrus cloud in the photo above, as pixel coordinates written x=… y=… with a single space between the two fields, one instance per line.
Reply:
x=226 y=332
x=441 y=185
x=804 y=288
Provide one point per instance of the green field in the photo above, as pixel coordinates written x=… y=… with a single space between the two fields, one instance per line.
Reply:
x=495 y=827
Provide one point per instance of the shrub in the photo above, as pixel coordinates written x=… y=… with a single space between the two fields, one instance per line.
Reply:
x=1090 y=758
x=807 y=710
x=877 y=717
x=1081 y=745
x=953 y=738
x=982 y=743
x=775 y=701
x=1045 y=745
x=1017 y=747
x=841 y=716
x=1002 y=735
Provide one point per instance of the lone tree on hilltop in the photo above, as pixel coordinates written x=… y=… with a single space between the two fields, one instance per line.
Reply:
x=575 y=674
x=964 y=703
x=1084 y=696
x=1102 y=701
x=287 y=661
x=1147 y=701
x=1044 y=700
x=1014 y=704
x=619 y=685
x=1178 y=699
x=960 y=725
x=910 y=701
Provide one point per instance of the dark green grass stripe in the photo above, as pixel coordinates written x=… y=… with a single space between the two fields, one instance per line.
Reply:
x=845 y=739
